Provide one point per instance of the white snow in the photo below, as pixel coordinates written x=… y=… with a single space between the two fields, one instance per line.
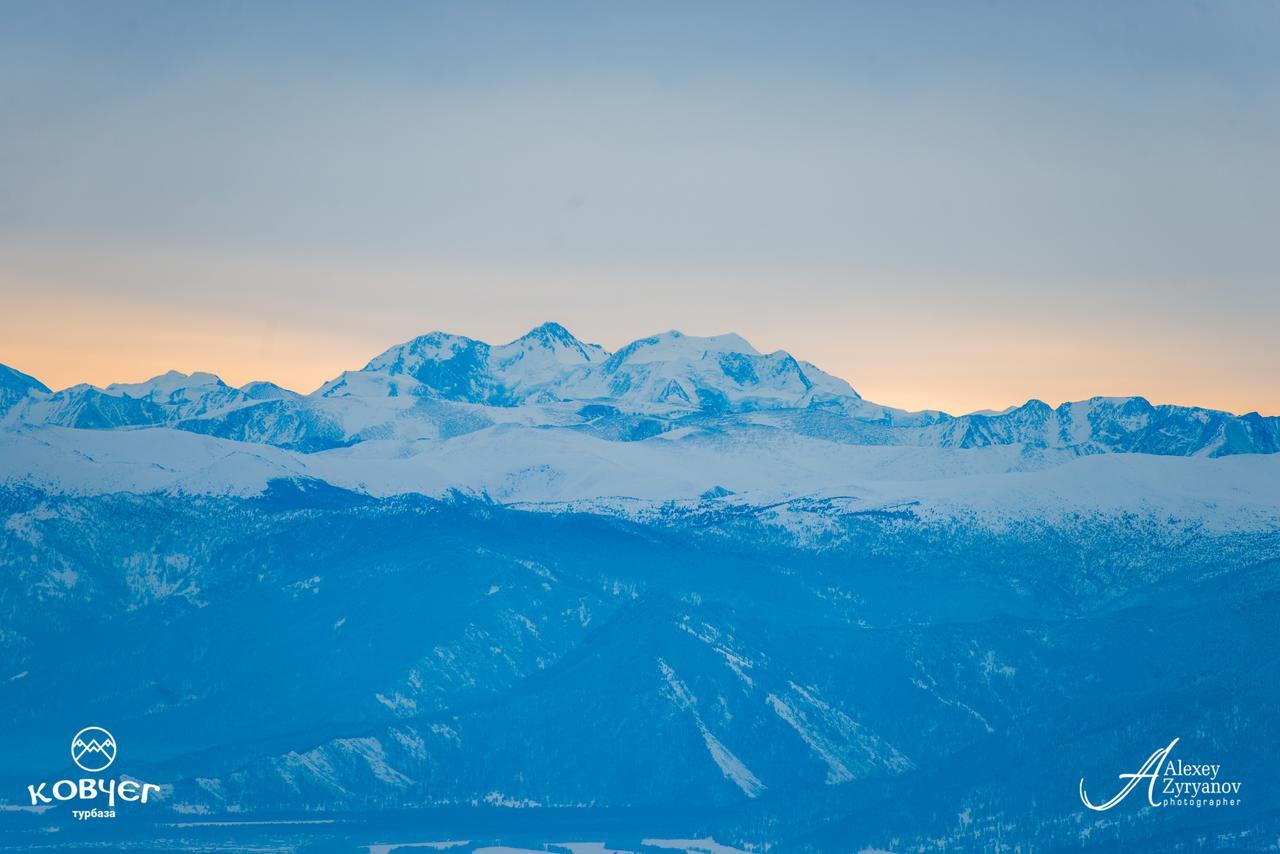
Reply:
x=558 y=469
x=730 y=765
x=706 y=845
x=388 y=847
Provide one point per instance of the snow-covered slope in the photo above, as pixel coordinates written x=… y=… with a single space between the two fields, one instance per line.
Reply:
x=182 y=395
x=692 y=472
x=16 y=386
x=453 y=367
x=676 y=372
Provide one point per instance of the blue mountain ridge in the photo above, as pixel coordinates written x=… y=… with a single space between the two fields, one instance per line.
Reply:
x=317 y=653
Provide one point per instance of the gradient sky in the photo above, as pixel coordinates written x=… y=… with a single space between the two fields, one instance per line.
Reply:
x=952 y=205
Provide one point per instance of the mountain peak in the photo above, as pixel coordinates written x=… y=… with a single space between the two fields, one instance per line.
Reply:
x=16 y=386
x=674 y=345
x=550 y=333
x=14 y=380
x=714 y=373
x=544 y=350
x=454 y=367
x=434 y=346
x=166 y=384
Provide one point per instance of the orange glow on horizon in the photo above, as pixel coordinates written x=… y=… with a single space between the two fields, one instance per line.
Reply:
x=956 y=358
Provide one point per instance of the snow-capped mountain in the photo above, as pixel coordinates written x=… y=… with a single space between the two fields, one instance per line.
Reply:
x=182 y=395
x=439 y=386
x=667 y=373
x=16 y=387
x=674 y=372
x=552 y=422
x=452 y=367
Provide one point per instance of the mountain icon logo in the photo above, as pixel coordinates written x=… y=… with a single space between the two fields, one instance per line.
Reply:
x=93 y=749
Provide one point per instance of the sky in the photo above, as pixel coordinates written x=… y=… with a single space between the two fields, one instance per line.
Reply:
x=952 y=205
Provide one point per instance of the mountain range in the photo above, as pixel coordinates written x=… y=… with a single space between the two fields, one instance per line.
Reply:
x=541 y=591
x=559 y=400
x=440 y=385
